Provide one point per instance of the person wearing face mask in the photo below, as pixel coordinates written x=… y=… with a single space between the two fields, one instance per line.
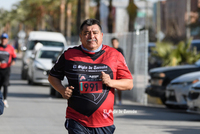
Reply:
x=93 y=71
x=115 y=44
x=7 y=58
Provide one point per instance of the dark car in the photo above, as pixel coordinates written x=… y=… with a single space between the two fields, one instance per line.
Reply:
x=195 y=44
x=153 y=61
x=161 y=77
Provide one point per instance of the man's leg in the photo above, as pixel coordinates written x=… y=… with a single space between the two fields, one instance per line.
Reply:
x=5 y=92
x=104 y=130
x=74 y=127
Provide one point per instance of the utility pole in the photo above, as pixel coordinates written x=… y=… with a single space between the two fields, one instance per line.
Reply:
x=158 y=21
x=188 y=6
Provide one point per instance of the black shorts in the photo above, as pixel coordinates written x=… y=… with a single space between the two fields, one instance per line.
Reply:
x=4 y=76
x=74 y=127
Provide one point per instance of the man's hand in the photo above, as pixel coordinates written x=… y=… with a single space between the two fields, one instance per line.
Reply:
x=106 y=79
x=13 y=63
x=68 y=92
x=120 y=84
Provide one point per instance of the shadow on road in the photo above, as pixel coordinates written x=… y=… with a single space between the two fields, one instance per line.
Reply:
x=155 y=113
x=28 y=95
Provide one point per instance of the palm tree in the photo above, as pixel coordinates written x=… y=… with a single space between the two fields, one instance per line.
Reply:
x=62 y=16
x=132 y=13
x=97 y=15
x=82 y=12
x=110 y=18
x=69 y=21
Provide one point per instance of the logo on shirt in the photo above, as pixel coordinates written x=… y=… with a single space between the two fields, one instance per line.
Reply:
x=107 y=113
x=82 y=78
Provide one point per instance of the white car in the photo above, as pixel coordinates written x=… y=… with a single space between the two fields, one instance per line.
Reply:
x=193 y=99
x=40 y=63
x=50 y=39
x=177 y=91
x=65 y=83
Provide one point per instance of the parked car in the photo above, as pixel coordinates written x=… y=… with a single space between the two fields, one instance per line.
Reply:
x=40 y=63
x=64 y=82
x=50 y=39
x=193 y=99
x=153 y=61
x=177 y=90
x=162 y=76
x=195 y=44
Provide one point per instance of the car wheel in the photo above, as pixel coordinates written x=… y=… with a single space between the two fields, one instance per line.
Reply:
x=23 y=75
x=30 y=81
x=163 y=99
x=52 y=91
x=57 y=94
x=170 y=106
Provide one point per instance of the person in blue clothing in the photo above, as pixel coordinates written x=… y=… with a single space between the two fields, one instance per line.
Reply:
x=1 y=104
x=7 y=59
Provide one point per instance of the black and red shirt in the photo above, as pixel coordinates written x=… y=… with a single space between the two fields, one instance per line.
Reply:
x=91 y=103
x=7 y=54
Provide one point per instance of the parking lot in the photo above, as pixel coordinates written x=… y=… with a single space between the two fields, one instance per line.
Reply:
x=33 y=111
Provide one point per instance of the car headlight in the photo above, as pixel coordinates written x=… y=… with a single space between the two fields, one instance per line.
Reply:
x=191 y=82
x=195 y=81
x=158 y=79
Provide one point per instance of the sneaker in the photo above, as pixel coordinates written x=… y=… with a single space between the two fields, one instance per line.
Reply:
x=5 y=103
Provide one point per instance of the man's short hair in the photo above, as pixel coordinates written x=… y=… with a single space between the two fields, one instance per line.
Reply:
x=114 y=38
x=90 y=22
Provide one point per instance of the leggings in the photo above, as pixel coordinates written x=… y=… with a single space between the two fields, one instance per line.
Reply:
x=5 y=92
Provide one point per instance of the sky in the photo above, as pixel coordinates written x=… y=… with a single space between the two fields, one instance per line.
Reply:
x=7 y=4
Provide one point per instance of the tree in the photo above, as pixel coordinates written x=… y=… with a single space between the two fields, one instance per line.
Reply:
x=132 y=13
x=110 y=17
x=82 y=12
x=172 y=56
x=62 y=17
x=97 y=15
x=68 y=21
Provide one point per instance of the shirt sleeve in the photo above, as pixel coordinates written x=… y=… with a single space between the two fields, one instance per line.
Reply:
x=58 y=69
x=14 y=56
x=122 y=68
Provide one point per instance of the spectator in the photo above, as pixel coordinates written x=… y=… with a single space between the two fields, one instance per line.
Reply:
x=115 y=44
x=7 y=58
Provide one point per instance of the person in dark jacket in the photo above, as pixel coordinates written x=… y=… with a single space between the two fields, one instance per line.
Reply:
x=115 y=44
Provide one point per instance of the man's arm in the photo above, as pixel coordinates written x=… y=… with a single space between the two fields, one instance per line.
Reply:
x=121 y=84
x=66 y=92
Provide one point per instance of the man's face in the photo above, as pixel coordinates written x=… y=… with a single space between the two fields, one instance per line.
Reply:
x=4 y=41
x=115 y=43
x=91 y=37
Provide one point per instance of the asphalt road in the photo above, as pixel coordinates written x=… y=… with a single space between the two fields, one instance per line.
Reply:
x=33 y=111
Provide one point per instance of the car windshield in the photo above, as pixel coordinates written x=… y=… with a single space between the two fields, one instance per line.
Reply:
x=197 y=63
x=196 y=45
x=31 y=44
x=45 y=54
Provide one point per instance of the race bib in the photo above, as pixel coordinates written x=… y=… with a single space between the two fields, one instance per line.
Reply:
x=90 y=84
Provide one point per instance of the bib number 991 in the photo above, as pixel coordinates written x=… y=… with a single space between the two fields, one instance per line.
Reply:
x=90 y=87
